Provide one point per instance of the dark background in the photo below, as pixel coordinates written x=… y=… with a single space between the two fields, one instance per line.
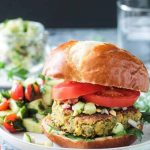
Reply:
x=62 y=13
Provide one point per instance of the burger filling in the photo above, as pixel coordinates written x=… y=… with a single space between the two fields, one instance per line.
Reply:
x=90 y=111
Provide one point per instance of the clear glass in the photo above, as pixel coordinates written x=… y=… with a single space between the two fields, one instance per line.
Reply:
x=134 y=27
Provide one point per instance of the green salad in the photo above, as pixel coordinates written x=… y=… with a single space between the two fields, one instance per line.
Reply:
x=25 y=104
x=22 y=42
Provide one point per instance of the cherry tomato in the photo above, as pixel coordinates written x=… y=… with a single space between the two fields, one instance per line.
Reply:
x=71 y=89
x=4 y=105
x=17 y=91
x=8 y=123
x=29 y=92
x=36 y=88
x=113 y=97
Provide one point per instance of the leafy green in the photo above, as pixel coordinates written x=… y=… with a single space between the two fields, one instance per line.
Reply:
x=17 y=71
x=136 y=132
x=46 y=111
x=17 y=124
x=2 y=65
x=5 y=94
x=146 y=117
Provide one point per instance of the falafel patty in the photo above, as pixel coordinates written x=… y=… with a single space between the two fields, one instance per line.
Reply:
x=90 y=125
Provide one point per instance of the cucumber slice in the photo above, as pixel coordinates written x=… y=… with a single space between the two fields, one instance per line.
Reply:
x=27 y=137
x=36 y=104
x=14 y=105
x=23 y=112
x=32 y=126
x=47 y=96
x=5 y=113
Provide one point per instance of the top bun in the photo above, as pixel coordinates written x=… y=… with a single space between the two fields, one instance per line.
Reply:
x=97 y=63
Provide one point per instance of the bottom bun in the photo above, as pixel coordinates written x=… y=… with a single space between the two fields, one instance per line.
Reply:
x=102 y=142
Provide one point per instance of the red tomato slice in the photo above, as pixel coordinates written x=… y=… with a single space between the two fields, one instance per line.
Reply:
x=8 y=122
x=71 y=89
x=113 y=97
x=17 y=92
x=4 y=105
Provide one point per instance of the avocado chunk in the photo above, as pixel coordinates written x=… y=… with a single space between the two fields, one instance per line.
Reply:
x=14 y=105
x=78 y=108
x=119 y=128
x=27 y=137
x=23 y=112
x=32 y=126
x=5 y=113
x=89 y=108
x=36 y=104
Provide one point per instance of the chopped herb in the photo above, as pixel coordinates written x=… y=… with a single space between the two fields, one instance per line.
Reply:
x=41 y=76
x=146 y=117
x=17 y=71
x=136 y=132
x=5 y=94
x=46 y=112
x=42 y=89
x=18 y=125
x=32 y=112
x=35 y=119
x=2 y=65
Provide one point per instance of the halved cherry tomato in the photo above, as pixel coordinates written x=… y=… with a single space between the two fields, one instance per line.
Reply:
x=71 y=89
x=4 y=105
x=36 y=88
x=17 y=91
x=113 y=97
x=8 y=123
x=29 y=92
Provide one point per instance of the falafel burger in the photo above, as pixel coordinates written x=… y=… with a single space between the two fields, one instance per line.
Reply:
x=94 y=106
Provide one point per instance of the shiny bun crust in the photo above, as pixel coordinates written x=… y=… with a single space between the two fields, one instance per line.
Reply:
x=105 y=142
x=97 y=63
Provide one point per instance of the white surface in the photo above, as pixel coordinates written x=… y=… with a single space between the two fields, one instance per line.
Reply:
x=17 y=141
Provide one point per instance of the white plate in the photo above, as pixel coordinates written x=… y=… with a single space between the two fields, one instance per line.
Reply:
x=17 y=141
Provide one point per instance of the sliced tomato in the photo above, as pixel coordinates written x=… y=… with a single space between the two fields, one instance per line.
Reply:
x=29 y=92
x=113 y=97
x=71 y=89
x=8 y=123
x=4 y=105
x=17 y=91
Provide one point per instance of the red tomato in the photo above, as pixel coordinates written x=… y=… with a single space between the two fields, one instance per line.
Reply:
x=36 y=88
x=8 y=122
x=4 y=105
x=113 y=97
x=71 y=89
x=28 y=92
x=17 y=92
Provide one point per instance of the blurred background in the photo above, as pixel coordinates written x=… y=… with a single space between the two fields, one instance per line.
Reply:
x=62 y=13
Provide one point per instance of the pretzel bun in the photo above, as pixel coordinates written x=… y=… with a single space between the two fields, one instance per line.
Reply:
x=97 y=63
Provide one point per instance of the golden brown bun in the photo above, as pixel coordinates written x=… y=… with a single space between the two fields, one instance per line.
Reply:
x=97 y=63
x=105 y=142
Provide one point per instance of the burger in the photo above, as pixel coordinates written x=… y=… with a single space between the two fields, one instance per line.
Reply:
x=94 y=105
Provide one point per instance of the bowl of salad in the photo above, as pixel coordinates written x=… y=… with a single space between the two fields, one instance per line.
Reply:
x=22 y=42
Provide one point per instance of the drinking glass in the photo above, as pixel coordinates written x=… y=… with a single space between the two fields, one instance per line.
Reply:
x=134 y=27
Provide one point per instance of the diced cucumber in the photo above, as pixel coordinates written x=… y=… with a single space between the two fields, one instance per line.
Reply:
x=5 y=113
x=32 y=126
x=47 y=96
x=14 y=106
x=27 y=137
x=1 y=120
x=36 y=104
x=23 y=112
x=118 y=128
